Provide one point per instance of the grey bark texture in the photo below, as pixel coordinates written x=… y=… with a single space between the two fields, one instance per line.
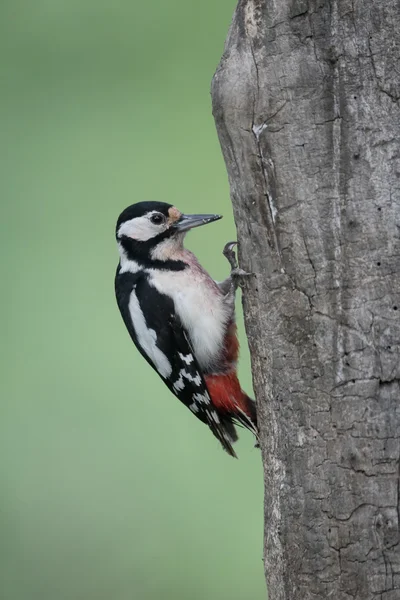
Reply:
x=306 y=104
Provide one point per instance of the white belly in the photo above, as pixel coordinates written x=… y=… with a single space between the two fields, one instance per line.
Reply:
x=200 y=306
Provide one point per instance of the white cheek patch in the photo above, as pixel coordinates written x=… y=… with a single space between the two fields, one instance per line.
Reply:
x=141 y=228
x=147 y=338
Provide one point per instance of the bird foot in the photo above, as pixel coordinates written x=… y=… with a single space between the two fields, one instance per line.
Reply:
x=237 y=274
x=230 y=254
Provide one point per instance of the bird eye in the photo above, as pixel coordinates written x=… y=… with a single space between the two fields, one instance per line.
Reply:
x=157 y=219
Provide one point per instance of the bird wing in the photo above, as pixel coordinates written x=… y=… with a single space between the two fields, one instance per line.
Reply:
x=161 y=338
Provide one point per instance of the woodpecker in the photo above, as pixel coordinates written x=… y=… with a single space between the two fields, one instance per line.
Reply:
x=180 y=319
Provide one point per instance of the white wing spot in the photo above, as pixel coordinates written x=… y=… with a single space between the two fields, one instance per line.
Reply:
x=213 y=416
x=187 y=359
x=147 y=337
x=196 y=380
x=202 y=398
x=194 y=408
x=179 y=384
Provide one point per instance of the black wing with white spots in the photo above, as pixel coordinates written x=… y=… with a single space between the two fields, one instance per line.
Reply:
x=160 y=337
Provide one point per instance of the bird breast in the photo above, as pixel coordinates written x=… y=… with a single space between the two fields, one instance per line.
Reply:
x=200 y=307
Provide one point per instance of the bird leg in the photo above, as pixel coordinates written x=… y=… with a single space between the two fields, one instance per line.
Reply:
x=231 y=283
x=237 y=274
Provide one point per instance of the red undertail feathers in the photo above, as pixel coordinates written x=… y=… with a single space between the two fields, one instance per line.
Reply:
x=228 y=398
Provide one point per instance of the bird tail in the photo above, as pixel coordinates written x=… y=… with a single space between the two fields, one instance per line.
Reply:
x=247 y=416
x=231 y=402
x=225 y=432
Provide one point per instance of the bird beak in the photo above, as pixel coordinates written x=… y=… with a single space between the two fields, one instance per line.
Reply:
x=187 y=222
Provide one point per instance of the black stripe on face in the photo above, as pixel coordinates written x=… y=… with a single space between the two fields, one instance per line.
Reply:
x=140 y=251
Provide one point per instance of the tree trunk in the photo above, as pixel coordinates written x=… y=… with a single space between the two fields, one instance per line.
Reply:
x=306 y=103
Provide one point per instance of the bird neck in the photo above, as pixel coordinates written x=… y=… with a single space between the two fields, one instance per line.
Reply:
x=135 y=257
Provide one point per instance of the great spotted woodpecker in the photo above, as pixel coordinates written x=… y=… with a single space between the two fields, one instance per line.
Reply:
x=180 y=319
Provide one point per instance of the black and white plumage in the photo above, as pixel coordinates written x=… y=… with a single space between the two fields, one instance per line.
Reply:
x=176 y=315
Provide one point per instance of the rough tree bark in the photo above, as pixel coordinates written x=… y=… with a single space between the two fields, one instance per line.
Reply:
x=306 y=103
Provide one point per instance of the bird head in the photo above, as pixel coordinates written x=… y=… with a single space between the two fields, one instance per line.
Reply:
x=156 y=229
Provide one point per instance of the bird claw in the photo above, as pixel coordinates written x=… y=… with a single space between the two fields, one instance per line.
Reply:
x=237 y=273
x=230 y=254
x=238 y=276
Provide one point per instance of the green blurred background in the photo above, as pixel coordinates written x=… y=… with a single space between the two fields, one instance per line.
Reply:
x=110 y=489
